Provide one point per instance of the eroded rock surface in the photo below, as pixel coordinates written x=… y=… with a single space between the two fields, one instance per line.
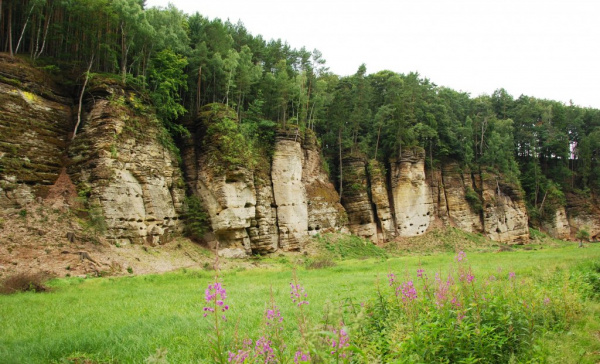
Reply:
x=379 y=193
x=504 y=213
x=123 y=170
x=356 y=200
x=413 y=202
x=325 y=213
x=289 y=192
x=456 y=186
x=35 y=120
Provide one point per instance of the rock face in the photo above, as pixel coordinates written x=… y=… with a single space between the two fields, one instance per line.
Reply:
x=264 y=232
x=289 y=192
x=413 y=202
x=325 y=213
x=35 y=120
x=356 y=200
x=275 y=205
x=226 y=190
x=558 y=227
x=456 y=187
x=386 y=230
x=504 y=212
x=123 y=170
x=583 y=213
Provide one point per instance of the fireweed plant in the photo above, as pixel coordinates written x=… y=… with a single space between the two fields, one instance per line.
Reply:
x=456 y=317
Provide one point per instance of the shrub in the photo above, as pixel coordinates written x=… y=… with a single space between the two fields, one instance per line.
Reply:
x=320 y=263
x=24 y=282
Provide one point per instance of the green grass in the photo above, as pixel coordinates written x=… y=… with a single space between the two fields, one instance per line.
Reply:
x=127 y=319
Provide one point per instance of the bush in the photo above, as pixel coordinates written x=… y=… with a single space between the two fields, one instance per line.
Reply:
x=351 y=247
x=24 y=282
x=320 y=263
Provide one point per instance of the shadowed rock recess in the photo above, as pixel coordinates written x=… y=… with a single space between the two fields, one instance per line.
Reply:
x=257 y=202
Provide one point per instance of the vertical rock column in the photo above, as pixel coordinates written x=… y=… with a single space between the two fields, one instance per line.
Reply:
x=264 y=234
x=324 y=209
x=289 y=192
x=504 y=213
x=130 y=175
x=558 y=227
x=355 y=198
x=226 y=190
x=456 y=185
x=379 y=194
x=413 y=203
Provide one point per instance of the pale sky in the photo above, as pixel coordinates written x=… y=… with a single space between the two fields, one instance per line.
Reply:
x=547 y=49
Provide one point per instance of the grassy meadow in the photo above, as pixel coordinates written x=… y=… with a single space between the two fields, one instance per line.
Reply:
x=159 y=318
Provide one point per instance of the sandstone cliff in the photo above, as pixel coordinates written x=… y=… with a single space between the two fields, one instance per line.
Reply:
x=35 y=120
x=121 y=167
x=256 y=204
x=356 y=199
x=412 y=198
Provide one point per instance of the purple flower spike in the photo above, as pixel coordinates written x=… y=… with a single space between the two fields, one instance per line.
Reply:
x=215 y=296
x=391 y=279
x=461 y=256
x=301 y=357
x=298 y=295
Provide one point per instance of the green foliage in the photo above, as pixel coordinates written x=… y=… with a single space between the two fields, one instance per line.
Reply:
x=167 y=78
x=473 y=199
x=196 y=218
x=583 y=234
x=350 y=247
x=228 y=147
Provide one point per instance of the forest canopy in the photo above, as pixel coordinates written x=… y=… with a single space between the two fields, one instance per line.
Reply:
x=183 y=62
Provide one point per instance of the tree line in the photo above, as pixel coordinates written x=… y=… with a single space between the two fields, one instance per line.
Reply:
x=183 y=62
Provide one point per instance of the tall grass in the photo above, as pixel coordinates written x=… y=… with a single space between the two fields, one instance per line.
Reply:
x=126 y=320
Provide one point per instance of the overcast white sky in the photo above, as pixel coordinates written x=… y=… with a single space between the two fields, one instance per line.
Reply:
x=547 y=49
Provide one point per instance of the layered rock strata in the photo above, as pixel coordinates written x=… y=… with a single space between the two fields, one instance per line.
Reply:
x=123 y=170
x=504 y=212
x=461 y=198
x=386 y=230
x=276 y=204
x=356 y=199
x=325 y=213
x=35 y=120
x=412 y=198
x=289 y=193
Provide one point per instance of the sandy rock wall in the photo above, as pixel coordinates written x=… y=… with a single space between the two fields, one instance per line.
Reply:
x=504 y=212
x=412 y=198
x=124 y=171
x=325 y=213
x=583 y=213
x=386 y=229
x=559 y=226
x=356 y=199
x=289 y=193
x=35 y=120
x=455 y=186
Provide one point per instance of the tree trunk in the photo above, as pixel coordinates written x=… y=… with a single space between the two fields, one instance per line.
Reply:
x=24 y=27
x=377 y=143
x=87 y=77
x=46 y=26
x=198 y=98
x=124 y=50
x=341 y=168
x=10 y=46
